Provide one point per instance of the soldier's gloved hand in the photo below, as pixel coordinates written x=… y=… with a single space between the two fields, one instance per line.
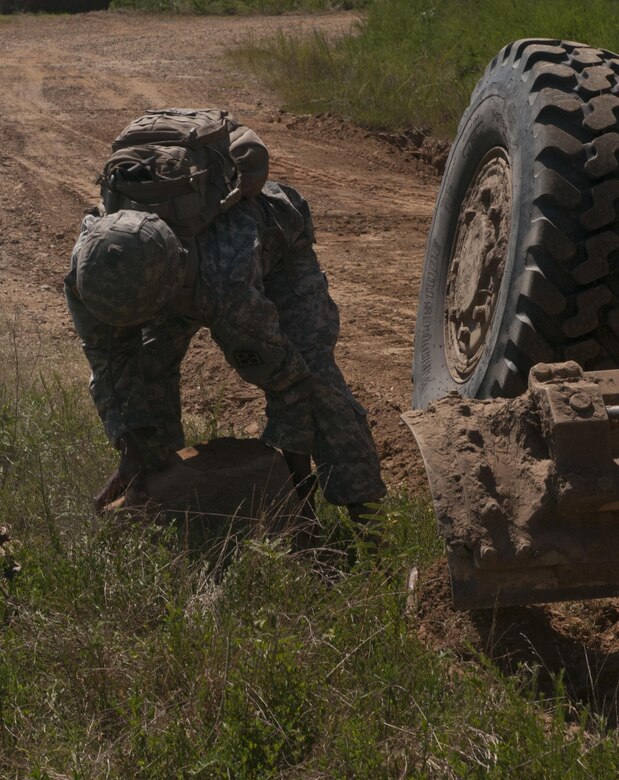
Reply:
x=136 y=461
x=112 y=490
x=129 y=473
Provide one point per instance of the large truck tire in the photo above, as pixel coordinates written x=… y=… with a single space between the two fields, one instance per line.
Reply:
x=522 y=260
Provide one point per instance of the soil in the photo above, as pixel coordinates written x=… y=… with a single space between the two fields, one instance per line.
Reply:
x=69 y=84
x=576 y=640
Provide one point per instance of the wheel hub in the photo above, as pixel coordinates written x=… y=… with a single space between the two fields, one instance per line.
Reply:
x=477 y=263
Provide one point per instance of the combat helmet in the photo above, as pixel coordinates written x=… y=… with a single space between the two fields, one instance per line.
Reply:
x=129 y=267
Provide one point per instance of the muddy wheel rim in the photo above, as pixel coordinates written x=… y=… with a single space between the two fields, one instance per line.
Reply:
x=477 y=264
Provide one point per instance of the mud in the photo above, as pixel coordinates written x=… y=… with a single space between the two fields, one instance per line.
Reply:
x=490 y=466
x=524 y=490
x=71 y=83
x=579 y=640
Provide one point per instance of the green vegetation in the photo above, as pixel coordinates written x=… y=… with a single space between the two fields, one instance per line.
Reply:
x=415 y=62
x=238 y=6
x=122 y=655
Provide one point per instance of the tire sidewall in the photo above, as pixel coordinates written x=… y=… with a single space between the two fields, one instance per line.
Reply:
x=492 y=120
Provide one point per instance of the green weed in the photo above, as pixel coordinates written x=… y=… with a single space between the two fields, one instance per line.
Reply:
x=415 y=62
x=121 y=655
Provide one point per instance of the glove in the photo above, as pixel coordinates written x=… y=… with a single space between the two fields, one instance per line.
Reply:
x=136 y=461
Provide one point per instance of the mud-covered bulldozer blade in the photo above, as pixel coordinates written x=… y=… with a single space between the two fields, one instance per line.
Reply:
x=526 y=490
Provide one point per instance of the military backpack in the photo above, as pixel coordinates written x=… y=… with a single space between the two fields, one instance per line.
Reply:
x=186 y=166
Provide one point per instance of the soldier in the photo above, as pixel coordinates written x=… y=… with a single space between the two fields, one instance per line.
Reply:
x=137 y=297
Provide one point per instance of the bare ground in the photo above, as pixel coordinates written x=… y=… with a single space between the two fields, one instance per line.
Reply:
x=69 y=84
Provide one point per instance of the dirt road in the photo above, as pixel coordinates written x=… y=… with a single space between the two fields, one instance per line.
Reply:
x=71 y=83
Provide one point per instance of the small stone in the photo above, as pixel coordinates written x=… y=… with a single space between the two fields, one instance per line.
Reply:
x=524 y=550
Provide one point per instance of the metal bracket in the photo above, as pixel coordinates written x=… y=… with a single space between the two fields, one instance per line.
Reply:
x=576 y=428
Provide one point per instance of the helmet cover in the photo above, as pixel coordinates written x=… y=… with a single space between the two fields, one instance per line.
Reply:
x=129 y=267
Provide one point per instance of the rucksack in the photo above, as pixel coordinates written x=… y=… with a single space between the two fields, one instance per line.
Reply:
x=187 y=166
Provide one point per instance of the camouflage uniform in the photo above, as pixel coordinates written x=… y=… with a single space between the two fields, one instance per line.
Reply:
x=260 y=291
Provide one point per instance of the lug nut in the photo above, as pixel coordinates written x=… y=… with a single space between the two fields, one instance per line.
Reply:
x=479 y=314
x=542 y=372
x=581 y=402
x=486 y=556
x=524 y=550
x=464 y=334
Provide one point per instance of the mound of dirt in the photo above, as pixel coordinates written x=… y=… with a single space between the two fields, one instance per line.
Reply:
x=579 y=640
x=414 y=144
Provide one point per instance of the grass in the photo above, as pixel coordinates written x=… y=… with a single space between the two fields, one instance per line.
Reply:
x=415 y=62
x=122 y=655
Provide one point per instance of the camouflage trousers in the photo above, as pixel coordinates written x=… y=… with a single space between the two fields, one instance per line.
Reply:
x=319 y=415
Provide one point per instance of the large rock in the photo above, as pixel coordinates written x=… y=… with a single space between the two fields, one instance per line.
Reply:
x=222 y=489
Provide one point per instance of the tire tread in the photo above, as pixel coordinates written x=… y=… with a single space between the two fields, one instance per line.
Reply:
x=568 y=307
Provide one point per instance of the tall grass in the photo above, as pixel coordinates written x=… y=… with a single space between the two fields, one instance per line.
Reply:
x=122 y=656
x=415 y=62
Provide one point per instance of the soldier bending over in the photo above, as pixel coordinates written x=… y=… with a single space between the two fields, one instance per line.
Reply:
x=137 y=297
